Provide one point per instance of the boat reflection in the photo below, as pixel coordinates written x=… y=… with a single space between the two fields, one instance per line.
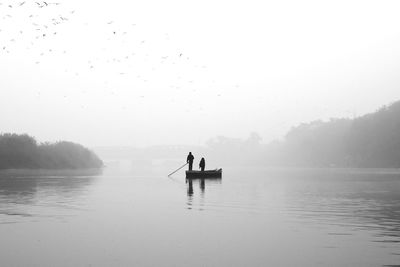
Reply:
x=190 y=187
x=202 y=185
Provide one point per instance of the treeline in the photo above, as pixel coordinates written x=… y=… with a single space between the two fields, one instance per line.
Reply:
x=23 y=151
x=371 y=141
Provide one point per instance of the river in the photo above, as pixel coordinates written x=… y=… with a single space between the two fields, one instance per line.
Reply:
x=257 y=217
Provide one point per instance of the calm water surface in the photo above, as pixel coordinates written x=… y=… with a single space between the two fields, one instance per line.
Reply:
x=261 y=217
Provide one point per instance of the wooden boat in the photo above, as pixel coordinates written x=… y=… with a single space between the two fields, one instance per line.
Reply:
x=207 y=174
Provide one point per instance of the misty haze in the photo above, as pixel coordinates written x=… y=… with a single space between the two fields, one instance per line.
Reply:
x=212 y=133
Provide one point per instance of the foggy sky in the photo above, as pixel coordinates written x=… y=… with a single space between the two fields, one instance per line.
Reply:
x=180 y=72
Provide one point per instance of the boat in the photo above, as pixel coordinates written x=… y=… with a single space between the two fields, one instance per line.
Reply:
x=207 y=174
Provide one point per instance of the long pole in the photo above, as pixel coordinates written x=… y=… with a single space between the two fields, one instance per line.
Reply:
x=177 y=169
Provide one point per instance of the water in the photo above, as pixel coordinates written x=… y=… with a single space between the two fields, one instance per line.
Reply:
x=261 y=217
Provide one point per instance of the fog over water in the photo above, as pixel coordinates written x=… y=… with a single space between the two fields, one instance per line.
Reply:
x=257 y=217
x=297 y=101
x=155 y=72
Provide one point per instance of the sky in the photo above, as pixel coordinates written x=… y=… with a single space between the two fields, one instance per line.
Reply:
x=138 y=73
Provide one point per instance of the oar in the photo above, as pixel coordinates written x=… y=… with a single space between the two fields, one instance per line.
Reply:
x=177 y=169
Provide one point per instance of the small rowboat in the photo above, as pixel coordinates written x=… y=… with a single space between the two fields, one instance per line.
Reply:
x=209 y=174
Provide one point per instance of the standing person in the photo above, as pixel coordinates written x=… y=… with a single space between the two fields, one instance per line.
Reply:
x=189 y=160
x=202 y=164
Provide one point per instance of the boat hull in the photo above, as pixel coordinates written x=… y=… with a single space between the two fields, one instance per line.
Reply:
x=208 y=174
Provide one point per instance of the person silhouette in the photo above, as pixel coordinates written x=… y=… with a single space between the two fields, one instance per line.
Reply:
x=189 y=160
x=202 y=164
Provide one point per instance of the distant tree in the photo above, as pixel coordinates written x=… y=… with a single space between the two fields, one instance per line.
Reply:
x=372 y=140
x=22 y=151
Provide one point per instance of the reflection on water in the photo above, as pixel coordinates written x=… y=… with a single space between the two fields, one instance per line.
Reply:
x=356 y=201
x=40 y=193
x=344 y=205
x=264 y=217
x=190 y=188
x=202 y=186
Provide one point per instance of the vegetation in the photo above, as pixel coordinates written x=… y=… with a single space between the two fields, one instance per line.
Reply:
x=22 y=151
x=371 y=141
